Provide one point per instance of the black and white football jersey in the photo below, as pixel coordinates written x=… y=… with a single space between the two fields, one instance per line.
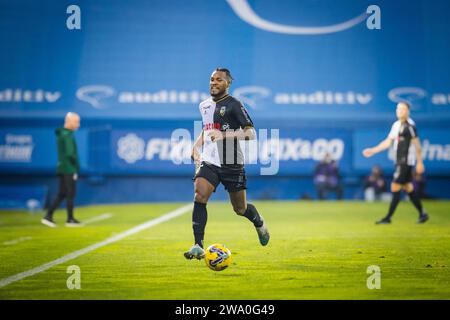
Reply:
x=402 y=134
x=225 y=114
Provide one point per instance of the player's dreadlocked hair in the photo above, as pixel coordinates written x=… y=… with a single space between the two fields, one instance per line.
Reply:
x=227 y=72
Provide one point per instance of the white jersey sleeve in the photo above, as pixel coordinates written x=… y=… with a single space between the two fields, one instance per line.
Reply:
x=393 y=134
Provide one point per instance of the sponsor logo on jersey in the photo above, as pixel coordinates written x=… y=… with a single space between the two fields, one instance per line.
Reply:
x=205 y=109
x=211 y=126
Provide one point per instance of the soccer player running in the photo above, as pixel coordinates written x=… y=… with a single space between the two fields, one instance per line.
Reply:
x=407 y=150
x=225 y=122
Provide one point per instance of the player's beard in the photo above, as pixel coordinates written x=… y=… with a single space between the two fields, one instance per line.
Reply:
x=218 y=93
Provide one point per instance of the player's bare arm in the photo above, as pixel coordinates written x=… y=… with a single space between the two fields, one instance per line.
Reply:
x=420 y=168
x=248 y=133
x=195 y=155
x=383 y=145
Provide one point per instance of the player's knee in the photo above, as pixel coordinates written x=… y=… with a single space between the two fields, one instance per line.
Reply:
x=200 y=197
x=239 y=210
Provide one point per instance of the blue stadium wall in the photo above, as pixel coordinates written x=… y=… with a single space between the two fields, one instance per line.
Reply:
x=136 y=71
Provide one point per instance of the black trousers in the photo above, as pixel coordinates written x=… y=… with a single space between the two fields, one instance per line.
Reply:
x=67 y=190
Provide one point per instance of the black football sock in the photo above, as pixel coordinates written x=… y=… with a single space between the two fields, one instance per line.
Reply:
x=199 y=218
x=416 y=202
x=252 y=214
x=394 y=202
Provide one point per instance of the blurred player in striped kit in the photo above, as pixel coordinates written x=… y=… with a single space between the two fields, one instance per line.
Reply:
x=405 y=140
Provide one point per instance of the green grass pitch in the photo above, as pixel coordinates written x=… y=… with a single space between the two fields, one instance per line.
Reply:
x=318 y=250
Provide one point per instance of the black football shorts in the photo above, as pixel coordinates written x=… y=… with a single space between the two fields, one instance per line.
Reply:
x=403 y=174
x=231 y=176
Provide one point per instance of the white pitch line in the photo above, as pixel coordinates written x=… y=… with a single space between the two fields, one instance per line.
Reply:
x=168 y=216
x=16 y=241
x=98 y=218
